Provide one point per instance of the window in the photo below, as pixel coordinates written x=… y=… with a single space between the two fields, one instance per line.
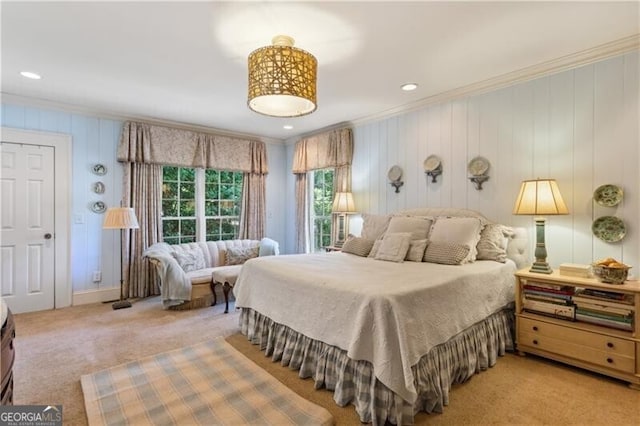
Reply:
x=322 y=199
x=199 y=204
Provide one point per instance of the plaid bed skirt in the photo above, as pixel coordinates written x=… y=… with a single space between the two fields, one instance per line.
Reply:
x=454 y=361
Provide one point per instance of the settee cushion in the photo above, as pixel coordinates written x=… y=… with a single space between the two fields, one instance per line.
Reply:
x=190 y=260
x=239 y=255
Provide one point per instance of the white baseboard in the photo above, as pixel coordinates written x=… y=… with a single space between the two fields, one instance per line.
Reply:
x=96 y=296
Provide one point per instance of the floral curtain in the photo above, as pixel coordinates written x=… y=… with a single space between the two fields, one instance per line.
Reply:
x=329 y=149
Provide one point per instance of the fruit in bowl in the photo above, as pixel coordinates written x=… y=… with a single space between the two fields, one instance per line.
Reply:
x=609 y=270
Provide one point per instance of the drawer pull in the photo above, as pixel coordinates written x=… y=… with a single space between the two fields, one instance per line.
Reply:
x=535 y=342
x=610 y=360
x=535 y=328
x=609 y=345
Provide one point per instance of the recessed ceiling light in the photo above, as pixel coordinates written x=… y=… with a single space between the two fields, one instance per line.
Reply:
x=409 y=87
x=287 y=127
x=31 y=75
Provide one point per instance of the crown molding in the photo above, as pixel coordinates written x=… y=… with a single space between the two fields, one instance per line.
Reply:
x=564 y=63
x=75 y=109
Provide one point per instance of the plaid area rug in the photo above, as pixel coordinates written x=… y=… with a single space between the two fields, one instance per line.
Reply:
x=209 y=383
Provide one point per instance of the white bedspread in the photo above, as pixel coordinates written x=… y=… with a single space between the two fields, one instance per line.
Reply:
x=389 y=314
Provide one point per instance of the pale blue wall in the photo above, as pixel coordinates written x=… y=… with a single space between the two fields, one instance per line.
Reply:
x=579 y=126
x=95 y=140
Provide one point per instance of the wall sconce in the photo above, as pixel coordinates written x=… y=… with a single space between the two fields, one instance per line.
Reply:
x=478 y=168
x=433 y=167
x=395 y=176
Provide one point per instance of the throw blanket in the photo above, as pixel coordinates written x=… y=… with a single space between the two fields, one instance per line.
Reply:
x=175 y=294
x=390 y=314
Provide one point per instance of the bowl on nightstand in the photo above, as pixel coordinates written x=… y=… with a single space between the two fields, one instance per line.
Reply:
x=611 y=275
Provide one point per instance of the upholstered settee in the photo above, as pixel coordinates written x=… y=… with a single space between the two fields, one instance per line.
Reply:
x=185 y=270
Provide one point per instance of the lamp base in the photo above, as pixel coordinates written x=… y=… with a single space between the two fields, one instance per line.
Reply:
x=120 y=304
x=541 y=268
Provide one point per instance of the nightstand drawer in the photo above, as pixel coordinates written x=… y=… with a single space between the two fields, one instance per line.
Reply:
x=579 y=352
x=596 y=341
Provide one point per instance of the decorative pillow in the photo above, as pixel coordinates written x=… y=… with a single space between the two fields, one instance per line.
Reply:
x=493 y=242
x=374 y=249
x=446 y=253
x=416 y=225
x=239 y=255
x=458 y=230
x=374 y=225
x=394 y=246
x=189 y=259
x=358 y=246
x=416 y=250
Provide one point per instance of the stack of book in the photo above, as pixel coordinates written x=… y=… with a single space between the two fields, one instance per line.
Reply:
x=548 y=299
x=607 y=308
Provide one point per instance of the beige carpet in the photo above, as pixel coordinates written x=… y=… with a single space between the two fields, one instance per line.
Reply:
x=55 y=348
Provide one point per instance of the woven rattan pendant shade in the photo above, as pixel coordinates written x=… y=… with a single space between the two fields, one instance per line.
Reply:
x=282 y=80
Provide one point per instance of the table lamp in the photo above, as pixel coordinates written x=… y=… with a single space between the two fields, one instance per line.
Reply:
x=122 y=218
x=342 y=206
x=540 y=197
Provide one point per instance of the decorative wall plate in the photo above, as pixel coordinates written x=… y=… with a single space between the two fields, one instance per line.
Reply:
x=98 y=207
x=395 y=173
x=608 y=195
x=98 y=188
x=609 y=229
x=99 y=169
x=478 y=166
x=431 y=163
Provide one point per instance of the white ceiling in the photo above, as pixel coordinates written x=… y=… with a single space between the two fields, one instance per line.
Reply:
x=185 y=62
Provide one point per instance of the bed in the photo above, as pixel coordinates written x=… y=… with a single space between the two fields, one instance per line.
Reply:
x=389 y=336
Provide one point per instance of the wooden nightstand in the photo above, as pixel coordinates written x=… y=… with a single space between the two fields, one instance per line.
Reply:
x=613 y=350
x=332 y=248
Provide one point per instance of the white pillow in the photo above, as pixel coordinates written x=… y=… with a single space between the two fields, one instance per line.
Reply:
x=416 y=250
x=494 y=239
x=374 y=225
x=416 y=225
x=394 y=246
x=458 y=230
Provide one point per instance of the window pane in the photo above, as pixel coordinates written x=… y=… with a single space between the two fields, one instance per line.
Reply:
x=170 y=228
x=169 y=208
x=226 y=177
x=187 y=191
x=188 y=208
x=212 y=176
x=169 y=173
x=211 y=190
x=211 y=208
x=188 y=227
x=187 y=175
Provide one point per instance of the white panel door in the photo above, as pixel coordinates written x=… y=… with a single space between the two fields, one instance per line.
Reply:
x=27 y=235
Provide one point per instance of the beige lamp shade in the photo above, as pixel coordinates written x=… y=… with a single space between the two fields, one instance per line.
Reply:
x=343 y=203
x=120 y=218
x=540 y=197
x=282 y=79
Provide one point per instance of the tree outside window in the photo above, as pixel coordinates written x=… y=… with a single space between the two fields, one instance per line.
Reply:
x=321 y=212
x=199 y=204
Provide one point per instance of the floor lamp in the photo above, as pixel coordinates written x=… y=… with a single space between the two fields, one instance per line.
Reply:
x=540 y=197
x=122 y=218
x=342 y=206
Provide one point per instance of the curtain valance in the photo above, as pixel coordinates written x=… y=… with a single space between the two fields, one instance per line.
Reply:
x=329 y=149
x=150 y=144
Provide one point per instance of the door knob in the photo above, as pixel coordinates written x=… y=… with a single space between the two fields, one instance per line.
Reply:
x=47 y=236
